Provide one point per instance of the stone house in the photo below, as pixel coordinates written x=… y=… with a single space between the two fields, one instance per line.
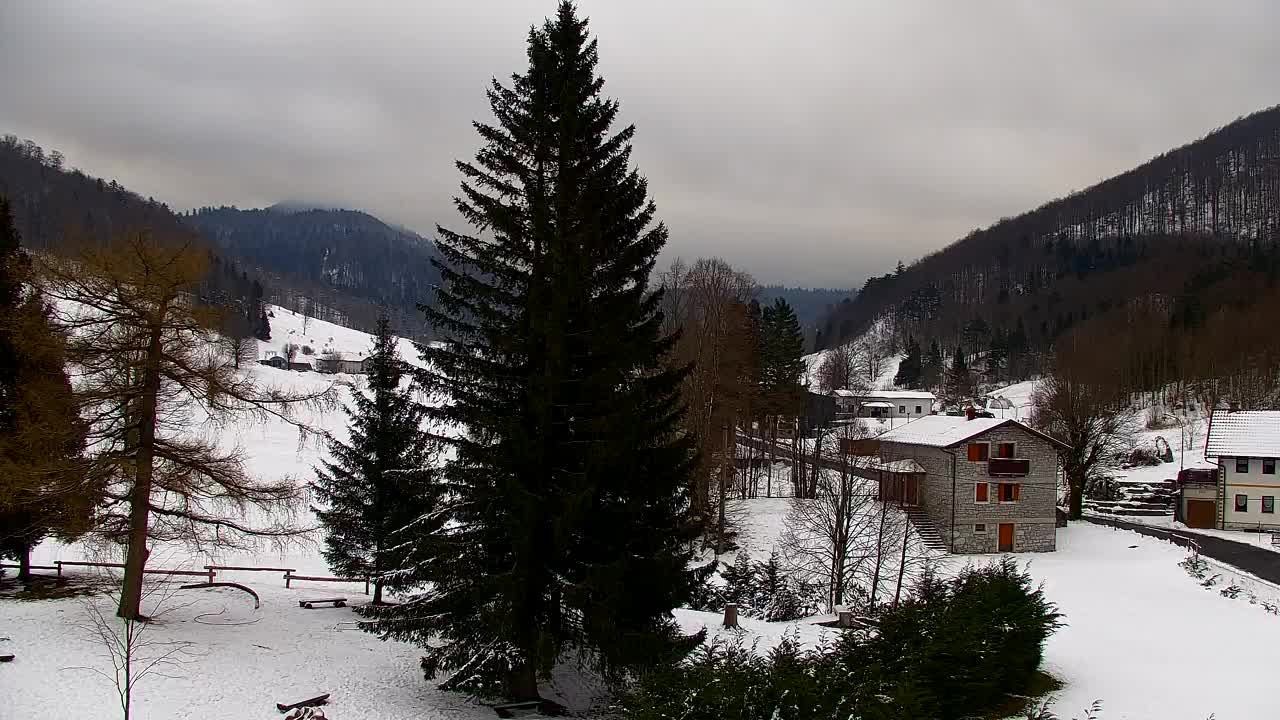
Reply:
x=980 y=485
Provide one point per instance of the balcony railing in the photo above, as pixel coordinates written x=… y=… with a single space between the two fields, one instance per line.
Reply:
x=1008 y=467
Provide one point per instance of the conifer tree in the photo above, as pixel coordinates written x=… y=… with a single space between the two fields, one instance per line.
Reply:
x=959 y=385
x=566 y=493
x=911 y=369
x=43 y=489
x=782 y=347
x=931 y=371
x=378 y=482
x=998 y=355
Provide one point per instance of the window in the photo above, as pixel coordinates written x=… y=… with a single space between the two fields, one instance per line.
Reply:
x=1242 y=503
x=1242 y=465
x=1268 y=504
x=1004 y=450
x=1269 y=466
x=902 y=409
x=979 y=452
x=1009 y=492
x=917 y=409
x=980 y=494
x=980 y=528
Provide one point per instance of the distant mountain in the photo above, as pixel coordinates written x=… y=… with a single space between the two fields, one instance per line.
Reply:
x=811 y=304
x=337 y=252
x=1177 y=226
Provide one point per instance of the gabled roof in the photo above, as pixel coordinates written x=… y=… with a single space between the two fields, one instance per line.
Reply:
x=945 y=431
x=897 y=394
x=1243 y=433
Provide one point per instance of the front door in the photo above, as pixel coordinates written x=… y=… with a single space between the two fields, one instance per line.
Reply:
x=1006 y=537
x=912 y=494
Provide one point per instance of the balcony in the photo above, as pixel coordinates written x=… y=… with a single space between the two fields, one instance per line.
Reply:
x=1008 y=467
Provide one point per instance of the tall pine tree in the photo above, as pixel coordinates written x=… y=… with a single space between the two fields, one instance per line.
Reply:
x=781 y=363
x=911 y=369
x=43 y=486
x=566 y=491
x=379 y=481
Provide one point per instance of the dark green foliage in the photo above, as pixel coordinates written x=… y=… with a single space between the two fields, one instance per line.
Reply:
x=740 y=579
x=379 y=481
x=781 y=348
x=959 y=649
x=566 y=492
x=43 y=490
x=998 y=355
x=931 y=369
x=911 y=369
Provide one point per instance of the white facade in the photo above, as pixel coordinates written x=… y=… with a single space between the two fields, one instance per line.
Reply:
x=884 y=403
x=1255 y=490
x=1246 y=446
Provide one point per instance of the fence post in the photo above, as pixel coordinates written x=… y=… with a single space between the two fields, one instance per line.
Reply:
x=366 y=584
x=286 y=578
x=59 y=564
x=731 y=615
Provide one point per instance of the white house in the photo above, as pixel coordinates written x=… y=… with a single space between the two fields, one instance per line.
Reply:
x=884 y=403
x=1245 y=444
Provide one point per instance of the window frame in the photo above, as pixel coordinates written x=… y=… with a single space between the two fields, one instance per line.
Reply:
x=918 y=412
x=902 y=409
x=1015 y=492
x=980 y=528
x=969 y=451
x=1237 y=507
x=1245 y=462
x=984 y=486
x=1272 y=498
x=1268 y=463
x=1013 y=451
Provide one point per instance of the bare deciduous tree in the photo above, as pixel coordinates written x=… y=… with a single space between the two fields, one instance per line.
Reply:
x=1088 y=414
x=148 y=371
x=132 y=650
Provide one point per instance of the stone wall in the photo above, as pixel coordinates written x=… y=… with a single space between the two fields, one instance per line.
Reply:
x=1033 y=515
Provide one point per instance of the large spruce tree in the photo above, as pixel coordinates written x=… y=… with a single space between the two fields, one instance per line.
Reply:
x=377 y=482
x=43 y=489
x=781 y=363
x=566 y=491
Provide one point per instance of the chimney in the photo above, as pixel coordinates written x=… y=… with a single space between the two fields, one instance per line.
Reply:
x=970 y=413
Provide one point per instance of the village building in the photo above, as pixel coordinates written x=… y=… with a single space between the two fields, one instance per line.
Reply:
x=1245 y=445
x=908 y=404
x=976 y=485
x=336 y=362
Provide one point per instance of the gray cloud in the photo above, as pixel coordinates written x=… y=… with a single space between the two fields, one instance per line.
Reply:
x=807 y=142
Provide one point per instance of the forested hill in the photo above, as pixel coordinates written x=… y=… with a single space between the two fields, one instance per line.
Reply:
x=1184 y=245
x=340 y=251
x=812 y=305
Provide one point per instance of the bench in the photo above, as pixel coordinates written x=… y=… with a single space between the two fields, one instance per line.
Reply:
x=290 y=577
x=334 y=601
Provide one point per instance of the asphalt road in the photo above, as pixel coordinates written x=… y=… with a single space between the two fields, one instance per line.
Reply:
x=1250 y=558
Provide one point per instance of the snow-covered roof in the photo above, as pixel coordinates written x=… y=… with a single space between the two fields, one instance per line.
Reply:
x=1243 y=433
x=948 y=430
x=897 y=394
x=878 y=403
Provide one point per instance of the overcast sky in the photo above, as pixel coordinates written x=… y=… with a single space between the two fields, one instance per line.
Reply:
x=807 y=142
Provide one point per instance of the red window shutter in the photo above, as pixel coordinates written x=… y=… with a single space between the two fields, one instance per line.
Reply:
x=973 y=452
x=981 y=493
x=1016 y=488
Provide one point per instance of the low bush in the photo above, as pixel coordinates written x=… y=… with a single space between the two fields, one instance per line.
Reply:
x=959 y=648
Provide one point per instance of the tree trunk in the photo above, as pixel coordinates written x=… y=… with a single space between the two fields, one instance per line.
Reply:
x=902 y=565
x=24 y=562
x=377 y=593
x=140 y=497
x=1075 y=481
x=522 y=683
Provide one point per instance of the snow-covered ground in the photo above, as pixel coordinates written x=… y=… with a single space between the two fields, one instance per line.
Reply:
x=1142 y=635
